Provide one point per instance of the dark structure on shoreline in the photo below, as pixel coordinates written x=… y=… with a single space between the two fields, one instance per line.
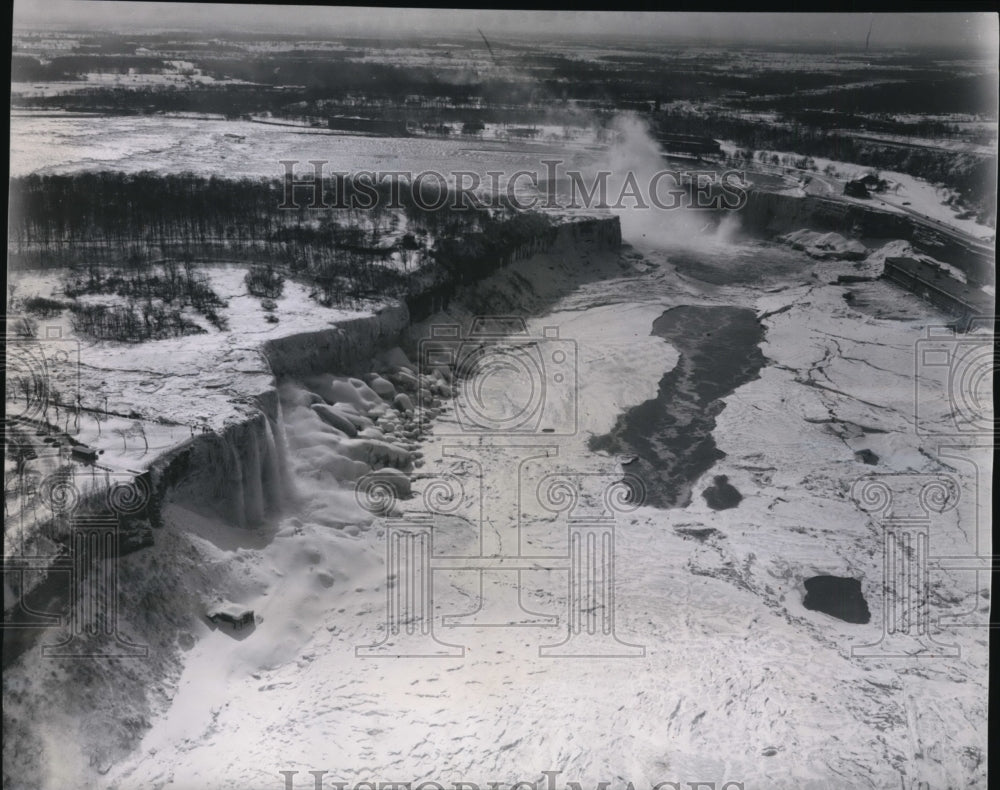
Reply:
x=692 y=145
x=937 y=286
x=340 y=123
x=239 y=617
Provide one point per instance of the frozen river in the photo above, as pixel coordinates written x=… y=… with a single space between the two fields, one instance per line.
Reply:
x=722 y=675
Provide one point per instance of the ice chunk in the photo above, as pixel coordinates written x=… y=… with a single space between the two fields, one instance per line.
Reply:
x=335 y=418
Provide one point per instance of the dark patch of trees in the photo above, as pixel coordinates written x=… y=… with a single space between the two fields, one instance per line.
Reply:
x=43 y=306
x=130 y=323
x=265 y=281
x=929 y=92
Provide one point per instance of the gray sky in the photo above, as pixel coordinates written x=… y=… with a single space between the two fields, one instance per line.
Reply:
x=979 y=32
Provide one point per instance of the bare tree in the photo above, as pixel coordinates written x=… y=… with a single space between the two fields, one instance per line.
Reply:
x=137 y=429
x=124 y=433
x=377 y=219
x=53 y=399
x=27 y=386
x=99 y=418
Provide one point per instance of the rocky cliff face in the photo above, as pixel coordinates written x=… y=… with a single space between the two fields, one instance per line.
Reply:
x=773 y=213
x=338 y=348
x=242 y=471
x=569 y=238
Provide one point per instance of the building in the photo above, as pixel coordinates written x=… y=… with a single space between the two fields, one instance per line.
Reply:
x=83 y=454
x=873 y=183
x=231 y=614
x=856 y=188
x=692 y=145
x=935 y=285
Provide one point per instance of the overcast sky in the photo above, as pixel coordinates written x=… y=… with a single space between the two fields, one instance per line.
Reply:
x=977 y=31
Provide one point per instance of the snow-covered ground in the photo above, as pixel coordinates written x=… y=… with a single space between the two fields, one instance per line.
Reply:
x=133 y=402
x=184 y=383
x=738 y=682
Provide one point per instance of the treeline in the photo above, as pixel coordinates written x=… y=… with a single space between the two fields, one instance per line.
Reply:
x=926 y=93
x=134 y=213
x=141 y=236
x=229 y=100
x=25 y=68
x=884 y=123
x=136 y=222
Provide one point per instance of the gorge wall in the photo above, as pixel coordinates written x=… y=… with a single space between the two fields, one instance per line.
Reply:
x=773 y=213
